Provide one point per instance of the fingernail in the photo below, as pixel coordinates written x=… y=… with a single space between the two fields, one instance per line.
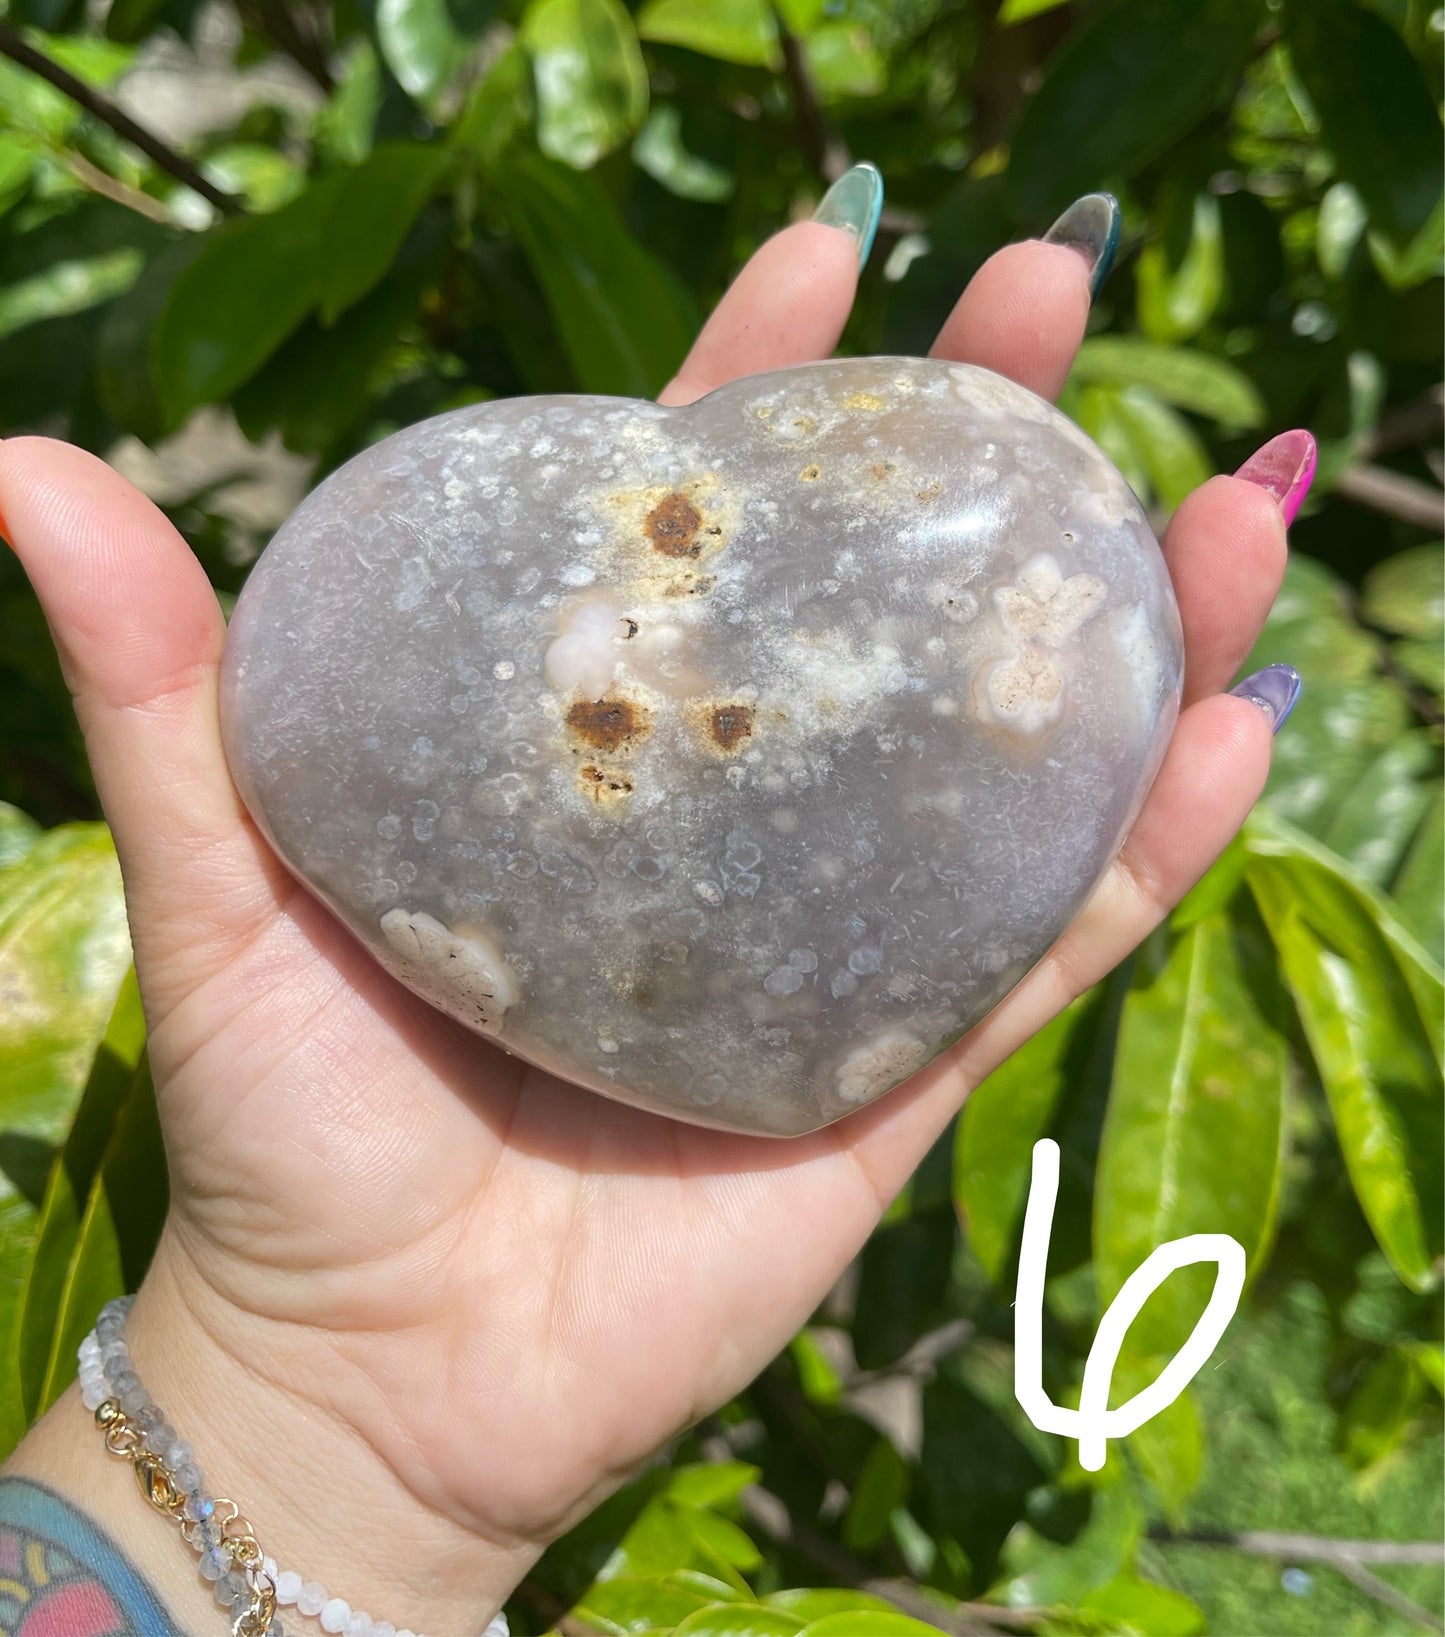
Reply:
x=1285 y=466
x=1275 y=689
x=1091 y=226
x=854 y=203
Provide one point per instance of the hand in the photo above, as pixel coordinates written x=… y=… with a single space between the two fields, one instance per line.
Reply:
x=410 y=1285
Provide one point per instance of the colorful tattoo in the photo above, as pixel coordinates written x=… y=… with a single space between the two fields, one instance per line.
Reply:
x=60 y=1576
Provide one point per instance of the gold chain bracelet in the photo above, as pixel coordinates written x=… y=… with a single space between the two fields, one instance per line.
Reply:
x=157 y=1483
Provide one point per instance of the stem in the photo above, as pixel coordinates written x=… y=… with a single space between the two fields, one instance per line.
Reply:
x=822 y=147
x=1394 y=494
x=12 y=46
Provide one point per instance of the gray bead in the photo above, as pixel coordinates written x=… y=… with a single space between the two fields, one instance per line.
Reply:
x=149 y=1420
x=188 y=1478
x=207 y=1535
x=232 y=1588
x=161 y=1440
x=134 y=1400
x=215 y=1562
x=730 y=760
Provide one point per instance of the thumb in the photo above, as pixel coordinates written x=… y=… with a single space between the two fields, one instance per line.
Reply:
x=139 y=633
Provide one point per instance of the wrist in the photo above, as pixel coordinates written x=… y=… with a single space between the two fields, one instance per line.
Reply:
x=278 y=1423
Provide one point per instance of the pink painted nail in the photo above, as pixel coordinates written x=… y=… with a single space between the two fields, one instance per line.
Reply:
x=1285 y=467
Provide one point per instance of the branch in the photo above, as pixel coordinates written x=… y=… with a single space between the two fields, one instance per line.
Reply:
x=768 y=1514
x=1349 y=1557
x=1383 y=1592
x=1308 y=1548
x=271 y=18
x=922 y=1359
x=822 y=147
x=1382 y=490
x=12 y=46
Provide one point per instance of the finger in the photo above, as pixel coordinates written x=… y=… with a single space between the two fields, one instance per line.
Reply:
x=139 y=634
x=1023 y=313
x=1211 y=776
x=1225 y=547
x=790 y=302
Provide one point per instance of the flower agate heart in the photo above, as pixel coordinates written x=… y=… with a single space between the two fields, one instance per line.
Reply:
x=730 y=760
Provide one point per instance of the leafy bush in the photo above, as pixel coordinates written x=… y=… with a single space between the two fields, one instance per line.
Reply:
x=420 y=203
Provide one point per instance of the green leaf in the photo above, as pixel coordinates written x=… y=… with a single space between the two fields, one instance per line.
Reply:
x=1372 y=824
x=260 y=176
x=591 y=80
x=68 y=287
x=1419 y=889
x=1169 y=1448
x=861 y=1623
x=1348 y=715
x=632 y=1604
x=1096 y=409
x=1379 y=1410
x=419 y=43
x=50 y=1296
x=842 y=61
x=1190 y=380
x=1019 y=11
x=738 y=1620
x=238 y=300
x=710 y=1484
x=1370 y=1003
x=736 y=31
x=1354 y=65
x=1044 y=1574
x=1177 y=294
x=499 y=109
x=993 y=1148
x=1133 y=1604
x=817 y=1374
x=1172 y=452
x=660 y=151
x=1192 y=1140
x=64 y=949
x=880 y=1489
x=1121 y=90
x=18 y=834
x=1406 y=593
x=625 y=323
x=1341 y=225
x=343 y=127
x=372 y=210
x=124 y=365
x=813 y=1603
x=118 y=1233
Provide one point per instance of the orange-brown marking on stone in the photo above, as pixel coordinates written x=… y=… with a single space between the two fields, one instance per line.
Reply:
x=880 y=470
x=607 y=724
x=603 y=784
x=672 y=527
x=810 y=474
x=930 y=491
x=864 y=400
x=730 y=725
x=690 y=585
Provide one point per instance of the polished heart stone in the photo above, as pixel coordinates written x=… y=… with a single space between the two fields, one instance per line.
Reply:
x=730 y=760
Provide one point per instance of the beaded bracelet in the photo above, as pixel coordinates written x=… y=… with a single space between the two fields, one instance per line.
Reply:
x=247 y=1583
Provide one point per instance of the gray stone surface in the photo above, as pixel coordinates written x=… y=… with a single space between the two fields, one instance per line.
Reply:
x=730 y=760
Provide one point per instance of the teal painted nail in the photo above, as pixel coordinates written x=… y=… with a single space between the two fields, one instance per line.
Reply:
x=854 y=203
x=1091 y=226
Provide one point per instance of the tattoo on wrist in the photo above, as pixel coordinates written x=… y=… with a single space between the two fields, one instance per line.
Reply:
x=61 y=1575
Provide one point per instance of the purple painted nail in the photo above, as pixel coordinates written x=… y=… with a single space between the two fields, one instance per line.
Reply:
x=1275 y=689
x=1285 y=467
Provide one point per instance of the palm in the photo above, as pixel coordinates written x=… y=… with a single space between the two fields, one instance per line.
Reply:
x=462 y=1227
